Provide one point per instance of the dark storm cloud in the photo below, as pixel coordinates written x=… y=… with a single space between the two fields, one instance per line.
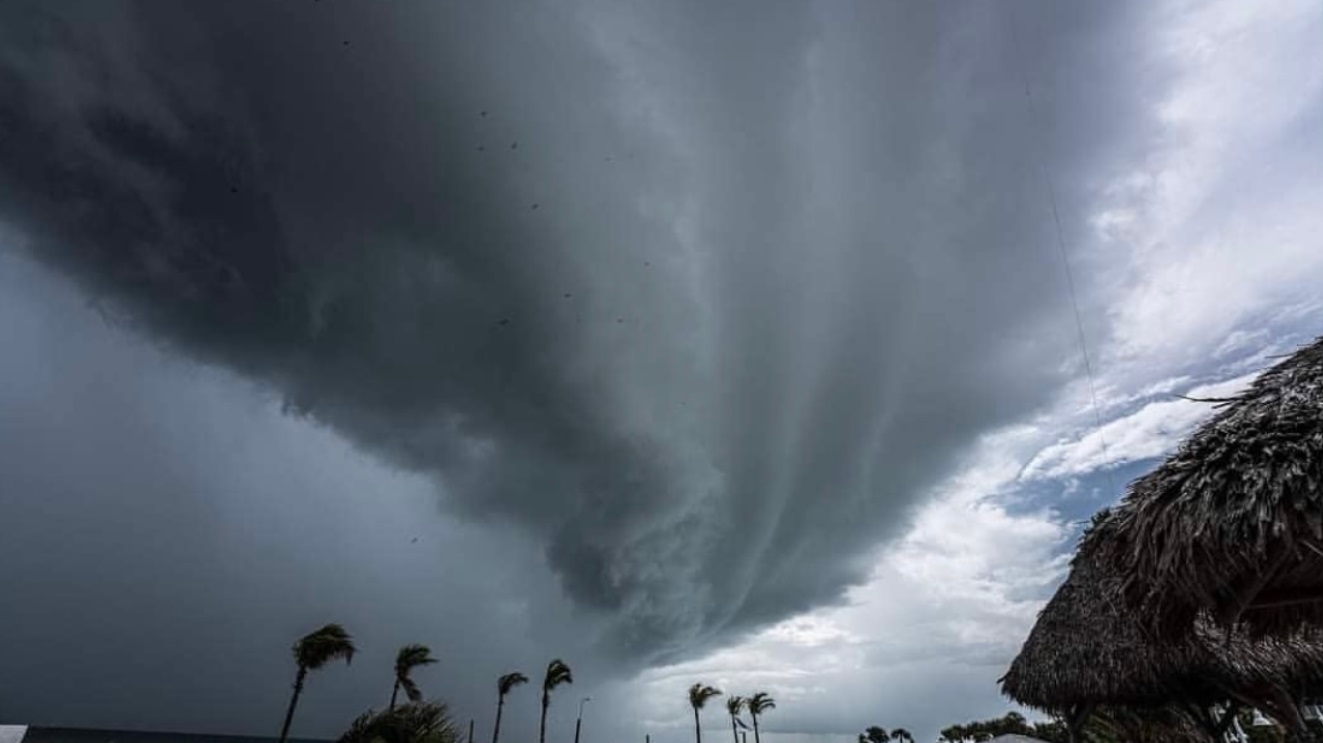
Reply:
x=699 y=297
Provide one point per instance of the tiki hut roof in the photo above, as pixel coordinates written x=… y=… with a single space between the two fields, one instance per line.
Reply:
x=1089 y=648
x=1232 y=523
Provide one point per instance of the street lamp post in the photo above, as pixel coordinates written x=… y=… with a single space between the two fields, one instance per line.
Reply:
x=578 y=723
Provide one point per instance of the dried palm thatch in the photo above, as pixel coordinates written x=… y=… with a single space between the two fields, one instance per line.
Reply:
x=1232 y=523
x=1089 y=648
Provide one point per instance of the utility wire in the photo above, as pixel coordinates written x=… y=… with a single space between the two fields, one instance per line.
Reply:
x=1050 y=187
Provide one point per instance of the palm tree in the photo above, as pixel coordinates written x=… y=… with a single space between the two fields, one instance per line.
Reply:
x=734 y=705
x=902 y=734
x=698 y=696
x=758 y=704
x=311 y=652
x=416 y=722
x=409 y=658
x=503 y=686
x=557 y=673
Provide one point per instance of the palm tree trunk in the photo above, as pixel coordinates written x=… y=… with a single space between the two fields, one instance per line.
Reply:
x=734 y=733
x=756 y=737
x=496 y=729
x=394 y=692
x=698 y=729
x=542 y=729
x=293 y=702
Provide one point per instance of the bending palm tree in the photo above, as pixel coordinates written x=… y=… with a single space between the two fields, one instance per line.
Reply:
x=698 y=696
x=409 y=658
x=503 y=686
x=758 y=704
x=734 y=705
x=557 y=673
x=311 y=652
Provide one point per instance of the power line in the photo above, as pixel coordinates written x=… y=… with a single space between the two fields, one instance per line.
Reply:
x=1050 y=187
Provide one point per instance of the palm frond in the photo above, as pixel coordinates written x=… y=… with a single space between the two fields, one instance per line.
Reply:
x=699 y=694
x=413 y=656
x=557 y=673
x=761 y=702
x=411 y=689
x=327 y=644
x=735 y=705
x=510 y=681
x=417 y=722
x=359 y=730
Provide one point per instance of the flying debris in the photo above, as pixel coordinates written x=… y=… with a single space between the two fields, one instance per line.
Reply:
x=504 y=321
x=514 y=145
x=535 y=206
x=483 y=114
x=568 y=295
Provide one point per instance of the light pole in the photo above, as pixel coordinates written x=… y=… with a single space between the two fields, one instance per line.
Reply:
x=578 y=723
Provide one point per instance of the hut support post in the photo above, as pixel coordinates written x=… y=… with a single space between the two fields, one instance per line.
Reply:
x=1288 y=713
x=1076 y=718
x=1228 y=717
x=1208 y=719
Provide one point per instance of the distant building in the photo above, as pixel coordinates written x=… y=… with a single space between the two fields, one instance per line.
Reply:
x=1013 y=738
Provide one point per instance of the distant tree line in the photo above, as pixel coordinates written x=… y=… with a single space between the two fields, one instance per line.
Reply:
x=420 y=721
x=1107 y=725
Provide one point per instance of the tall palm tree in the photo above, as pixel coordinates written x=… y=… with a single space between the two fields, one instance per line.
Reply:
x=503 y=686
x=311 y=652
x=735 y=705
x=758 y=704
x=409 y=658
x=557 y=673
x=698 y=696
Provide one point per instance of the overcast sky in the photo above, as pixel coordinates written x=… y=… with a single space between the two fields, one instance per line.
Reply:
x=686 y=341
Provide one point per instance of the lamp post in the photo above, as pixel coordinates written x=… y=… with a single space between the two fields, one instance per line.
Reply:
x=578 y=723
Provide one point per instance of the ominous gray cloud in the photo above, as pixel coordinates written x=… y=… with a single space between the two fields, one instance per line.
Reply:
x=693 y=299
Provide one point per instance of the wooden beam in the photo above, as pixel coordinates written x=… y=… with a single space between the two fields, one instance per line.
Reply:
x=1281 y=597
x=1231 y=614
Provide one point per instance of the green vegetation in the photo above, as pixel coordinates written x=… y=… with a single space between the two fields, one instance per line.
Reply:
x=735 y=705
x=758 y=704
x=420 y=721
x=409 y=658
x=698 y=696
x=503 y=686
x=415 y=722
x=557 y=673
x=311 y=652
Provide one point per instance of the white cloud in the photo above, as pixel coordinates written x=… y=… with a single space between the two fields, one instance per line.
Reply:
x=1149 y=432
x=1217 y=222
x=945 y=609
x=1203 y=260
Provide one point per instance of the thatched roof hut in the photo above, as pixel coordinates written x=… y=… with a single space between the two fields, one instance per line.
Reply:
x=1089 y=648
x=1232 y=523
